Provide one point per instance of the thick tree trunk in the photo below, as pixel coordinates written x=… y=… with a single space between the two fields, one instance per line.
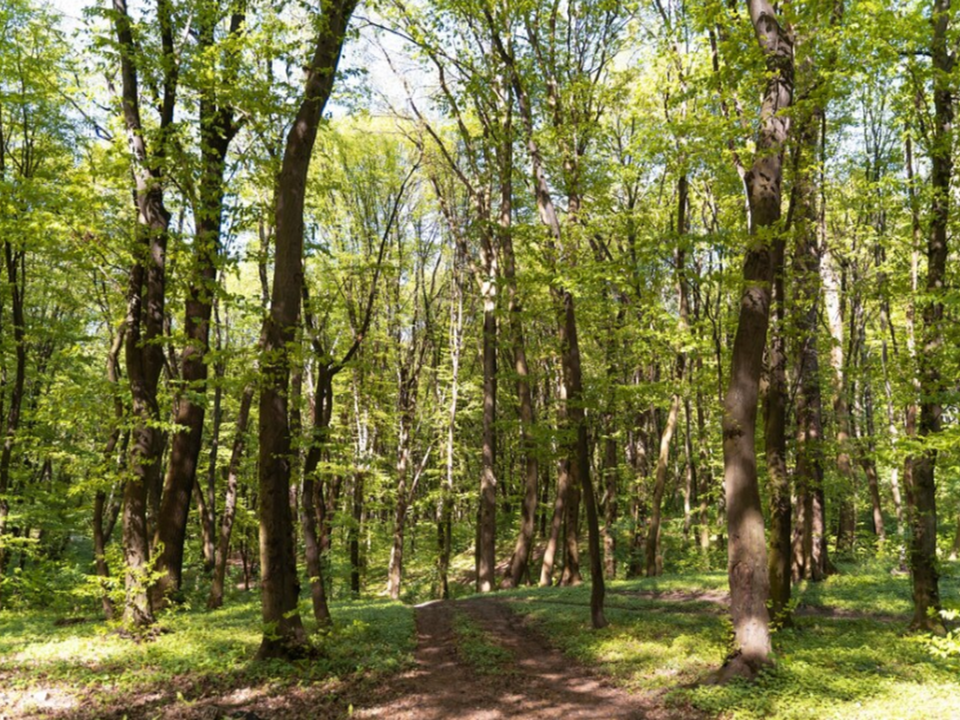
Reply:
x=280 y=586
x=216 y=132
x=215 y=599
x=746 y=548
x=145 y=306
x=775 y=432
x=923 y=546
x=571 y=574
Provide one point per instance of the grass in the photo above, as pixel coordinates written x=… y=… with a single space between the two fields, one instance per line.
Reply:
x=860 y=664
x=202 y=653
x=478 y=649
x=665 y=634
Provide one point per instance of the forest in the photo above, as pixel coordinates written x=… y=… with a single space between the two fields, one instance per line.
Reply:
x=479 y=359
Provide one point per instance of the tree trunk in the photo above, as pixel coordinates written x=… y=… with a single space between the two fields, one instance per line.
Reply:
x=809 y=546
x=395 y=568
x=216 y=132
x=550 y=552
x=145 y=305
x=775 y=413
x=280 y=586
x=528 y=511
x=653 y=561
x=16 y=281
x=923 y=546
x=445 y=515
x=487 y=536
x=746 y=547
x=230 y=500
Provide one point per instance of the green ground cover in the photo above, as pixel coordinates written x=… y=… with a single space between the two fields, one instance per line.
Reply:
x=847 y=656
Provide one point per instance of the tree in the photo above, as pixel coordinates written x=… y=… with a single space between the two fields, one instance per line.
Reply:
x=746 y=549
x=284 y=634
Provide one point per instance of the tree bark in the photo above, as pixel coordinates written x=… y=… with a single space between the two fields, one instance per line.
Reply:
x=216 y=132
x=923 y=546
x=746 y=547
x=215 y=599
x=775 y=432
x=145 y=305
x=487 y=536
x=284 y=635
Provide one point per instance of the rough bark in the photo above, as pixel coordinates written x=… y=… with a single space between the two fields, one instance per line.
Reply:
x=284 y=635
x=217 y=130
x=923 y=546
x=746 y=547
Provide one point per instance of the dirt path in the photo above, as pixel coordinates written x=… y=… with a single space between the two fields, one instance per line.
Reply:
x=536 y=682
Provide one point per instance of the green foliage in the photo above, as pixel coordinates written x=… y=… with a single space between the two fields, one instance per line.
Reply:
x=203 y=651
x=847 y=657
x=478 y=648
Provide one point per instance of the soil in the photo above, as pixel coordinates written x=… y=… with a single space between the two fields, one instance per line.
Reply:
x=537 y=681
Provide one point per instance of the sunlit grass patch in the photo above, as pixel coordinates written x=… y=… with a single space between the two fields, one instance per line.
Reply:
x=200 y=652
x=667 y=633
x=478 y=649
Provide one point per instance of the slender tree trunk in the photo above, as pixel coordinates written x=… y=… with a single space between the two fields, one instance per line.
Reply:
x=216 y=132
x=834 y=311
x=553 y=541
x=487 y=534
x=312 y=502
x=445 y=516
x=395 y=568
x=810 y=542
x=775 y=413
x=923 y=548
x=653 y=561
x=746 y=547
x=528 y=512
x=280 y=586
x=353 y=535
x=611 y=477
x=215 y=599
x=16 y=281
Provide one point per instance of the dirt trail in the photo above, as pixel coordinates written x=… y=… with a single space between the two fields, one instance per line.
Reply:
x=538 y=681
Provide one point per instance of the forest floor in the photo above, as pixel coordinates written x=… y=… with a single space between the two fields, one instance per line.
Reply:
x=523 y=653
x=478 y=660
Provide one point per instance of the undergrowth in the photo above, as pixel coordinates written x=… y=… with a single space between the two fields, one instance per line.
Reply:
x=849 y=654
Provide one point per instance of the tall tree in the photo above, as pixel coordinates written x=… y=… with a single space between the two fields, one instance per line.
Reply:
x=280 y=587
x=923 y=490
x=746 y=548
x=146 y=296
x=217 y=130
